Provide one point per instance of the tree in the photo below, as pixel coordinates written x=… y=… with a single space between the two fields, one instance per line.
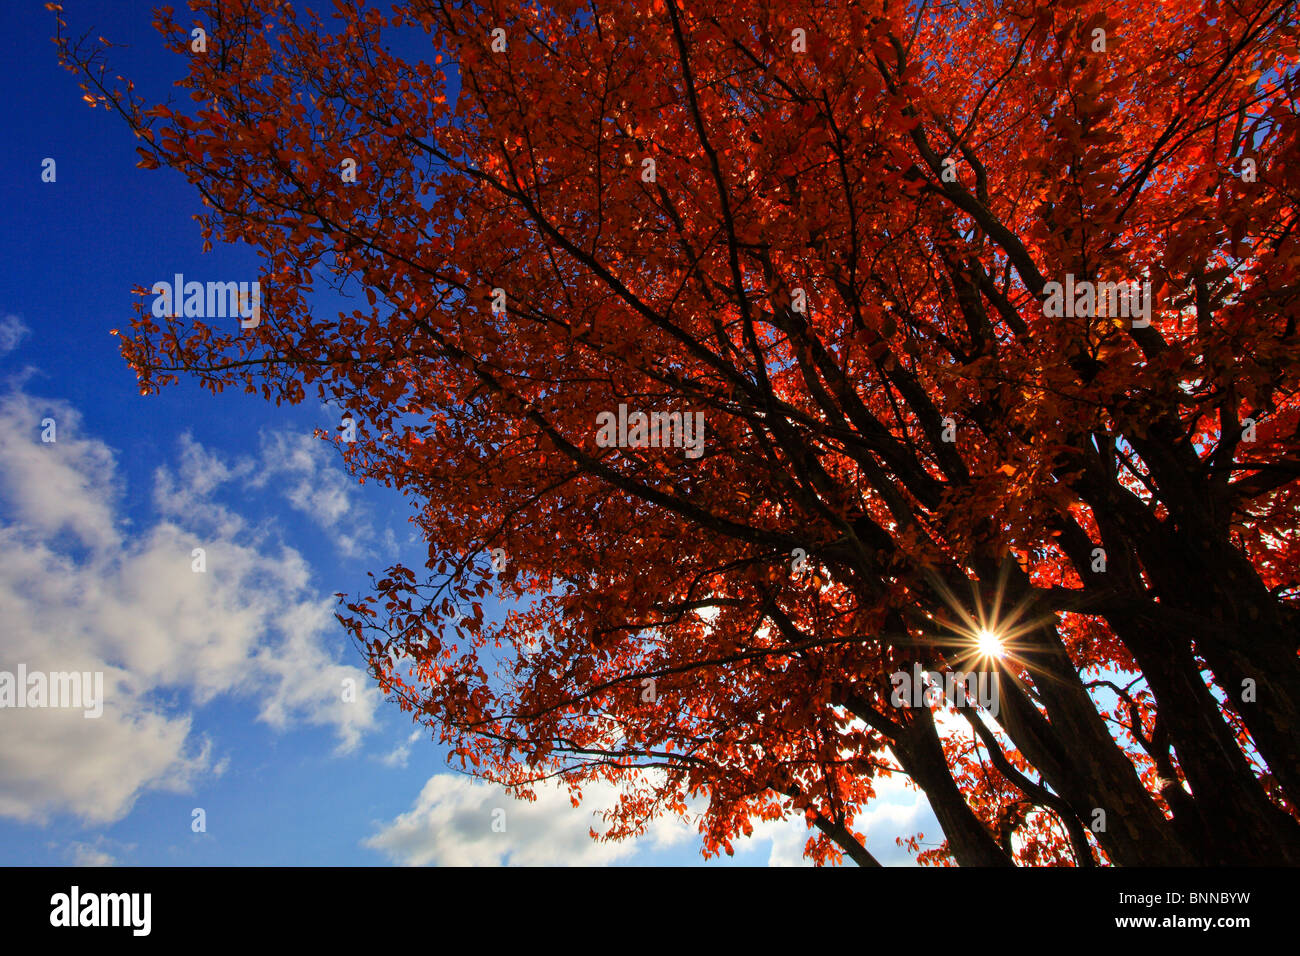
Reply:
x=985 y=313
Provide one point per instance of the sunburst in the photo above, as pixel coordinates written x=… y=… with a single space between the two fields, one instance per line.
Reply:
x=992 y=637
x=989 y=644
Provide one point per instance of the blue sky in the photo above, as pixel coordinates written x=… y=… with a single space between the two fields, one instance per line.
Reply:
x=221 y=688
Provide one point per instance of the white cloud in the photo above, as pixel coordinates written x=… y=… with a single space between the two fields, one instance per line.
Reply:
x=12 y=332
x=79 y=593
x=786 y=837
x=307 y=473
x=301 y=468
x=451 y=824
x=899 y=809
x=896 y=810
x=92 y=854
x=402 y=752
x=67 y=484
x=187 y=493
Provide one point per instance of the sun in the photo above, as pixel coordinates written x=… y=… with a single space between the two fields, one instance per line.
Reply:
x=989 y=643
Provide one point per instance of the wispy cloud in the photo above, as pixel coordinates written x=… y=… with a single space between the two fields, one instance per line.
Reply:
x=459 y=821
x=80 y=590
x=308 y=474
x=12 y=333
x=100 y=852
x=451 y=823
x=400 y=754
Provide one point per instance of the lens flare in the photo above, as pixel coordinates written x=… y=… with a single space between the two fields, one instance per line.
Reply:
x=989 y=643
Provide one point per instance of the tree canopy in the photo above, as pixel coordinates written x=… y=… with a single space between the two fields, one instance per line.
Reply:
x=985 y=313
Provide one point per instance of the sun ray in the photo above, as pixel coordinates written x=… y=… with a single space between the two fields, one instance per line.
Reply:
x=991 y=637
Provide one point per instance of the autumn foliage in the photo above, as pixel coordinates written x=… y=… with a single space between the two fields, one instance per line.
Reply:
x=840 y=254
